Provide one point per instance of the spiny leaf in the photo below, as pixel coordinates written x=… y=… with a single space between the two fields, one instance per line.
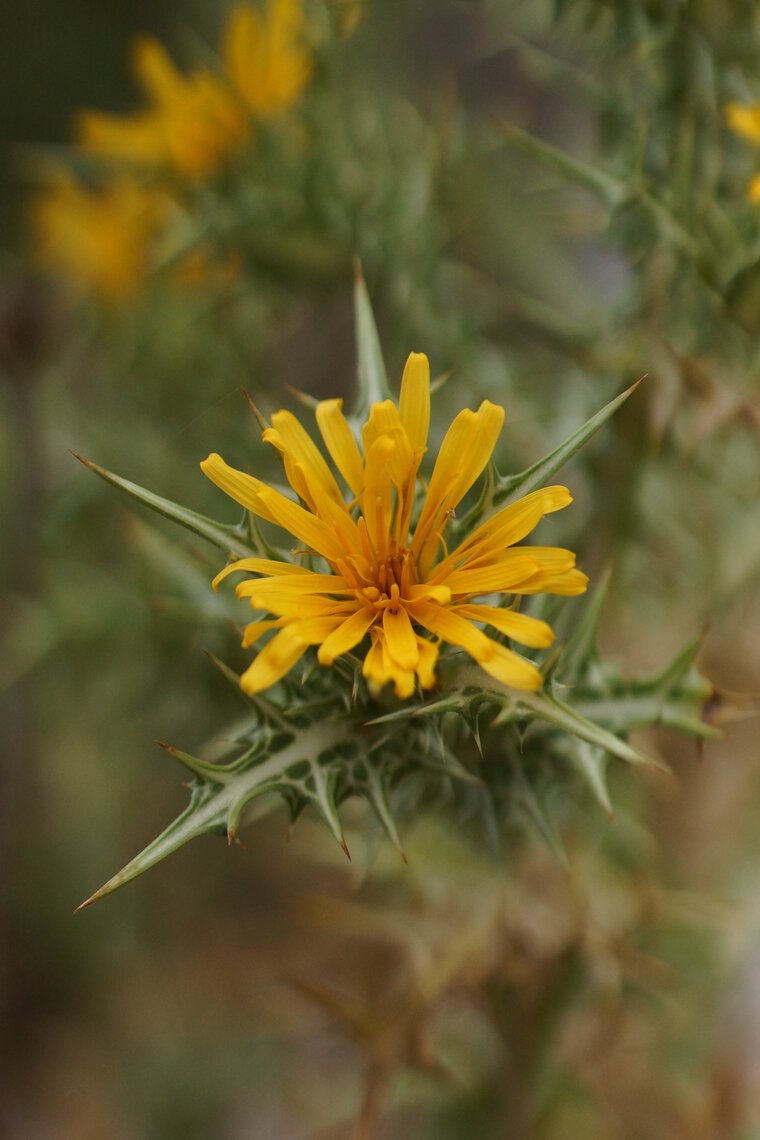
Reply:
x=221 y=793
x=549 y=708
x=210 y=773
x=228 y=673
x=592 y=764
x=371 y=376
x=453 y=702
x=375 y=786
x=189 y=575
x=581 y=646
x=538 y=813
x=630 y=708
x=197 y=818
x=230 y=539
x=320 y=789
x=679 y=670
x=612 y=192
x=511 y=487
x=475 y=686
x=472 y=685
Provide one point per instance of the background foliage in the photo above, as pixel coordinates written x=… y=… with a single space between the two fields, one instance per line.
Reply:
x=546 y=201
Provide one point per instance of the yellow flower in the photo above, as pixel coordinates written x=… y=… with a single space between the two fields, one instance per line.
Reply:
x=97 y=238
x=387 y=575
x=745 y=121
x=194 y=121
x=265 y=56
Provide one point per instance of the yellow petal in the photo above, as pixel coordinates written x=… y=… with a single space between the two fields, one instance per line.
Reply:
x=379 y=668
x=156 y=72
x=569 y=584
x=340 y=442
x=449 y=626
x=294 y=472
x=373 y=668
x=400 y=639
x=495 y=577
x=346 y=636
x=498 y=661
x=514 y=567
x=265 y=58
x=403 y=685
x=464 y=453
x=269 y=504
x=272 y=663
x=316 y=534
x=523 y=628
x=296 y=606
x=428 y=651
x=315 y=630
x=509 y=525
x=290 y=436
x=403 y=679
x=511 y=669
x=414 y=401
x=242 y=36
x=293 y=586
x=244 y=489
x=376 y=500
x=331 y=511
x=552 y=559
x=384 y=422
x=424 y=592
x=256 y=629
x=258 y=566
x=139 y=138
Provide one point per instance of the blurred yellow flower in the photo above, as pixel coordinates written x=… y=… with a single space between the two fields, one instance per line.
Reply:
x=744 y=120
x=266 y=57
x=388 y=577
x=194 y=121
x=97 y=238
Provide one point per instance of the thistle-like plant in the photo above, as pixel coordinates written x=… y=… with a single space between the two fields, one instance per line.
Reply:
x=387 y=566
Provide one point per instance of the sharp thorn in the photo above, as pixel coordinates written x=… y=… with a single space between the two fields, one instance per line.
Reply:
x=260 y=419
x=93 y=898
x=87 y=462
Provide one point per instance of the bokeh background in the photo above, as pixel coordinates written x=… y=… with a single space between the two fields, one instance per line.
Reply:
x=546 y=200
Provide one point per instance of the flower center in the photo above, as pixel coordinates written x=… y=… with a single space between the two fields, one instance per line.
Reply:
x=393 y=577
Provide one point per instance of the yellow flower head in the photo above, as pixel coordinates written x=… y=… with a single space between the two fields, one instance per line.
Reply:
x=97 y=238
x=389 y=575
x=193 y=122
